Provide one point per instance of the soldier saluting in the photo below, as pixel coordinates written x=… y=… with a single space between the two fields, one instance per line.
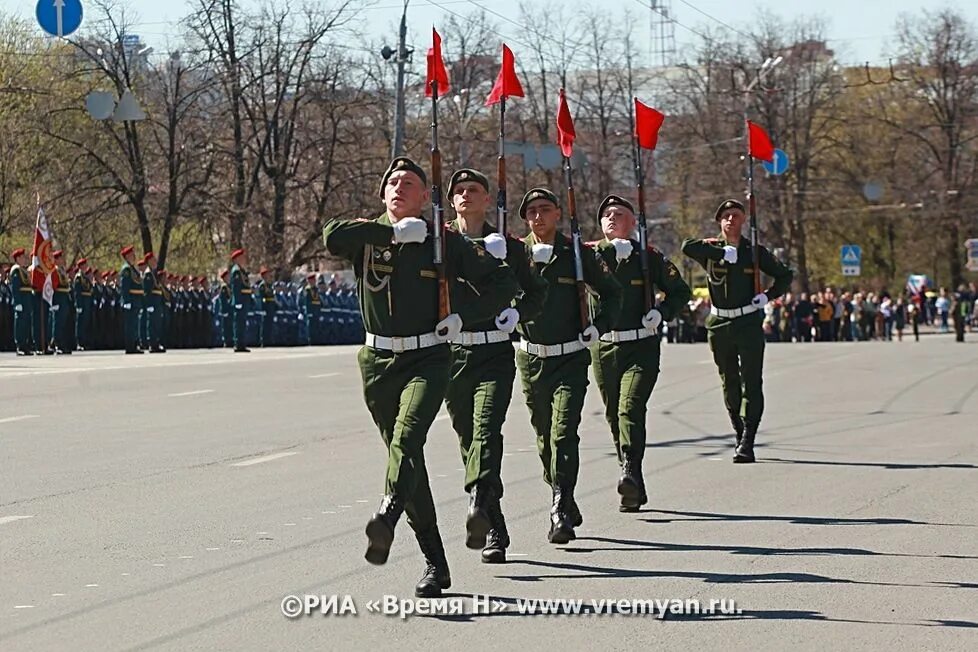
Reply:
x=484 y=368
x=406 y=361
x=734 y=324
x=626 y=360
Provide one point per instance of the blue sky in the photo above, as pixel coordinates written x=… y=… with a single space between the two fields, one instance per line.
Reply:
x=859 y=29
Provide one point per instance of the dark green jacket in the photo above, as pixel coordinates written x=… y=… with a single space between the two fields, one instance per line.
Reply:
x=130 y=286
x=240 y=288
x=398 y=284
x=560 y=319
x=732 y=286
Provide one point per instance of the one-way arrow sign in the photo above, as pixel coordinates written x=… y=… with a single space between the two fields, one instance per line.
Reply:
x=59 y=17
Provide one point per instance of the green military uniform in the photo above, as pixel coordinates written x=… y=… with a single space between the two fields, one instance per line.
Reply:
x=83 y=293
x=153 y=300
x=481 y=388
x=553 y=364
x=404 y=366
x=58 y=318
x=312 y=307
x=131 y=298
x=266 y=306
x=626 y=361
x=24 y=317
x=734 y=325
x=240 y=303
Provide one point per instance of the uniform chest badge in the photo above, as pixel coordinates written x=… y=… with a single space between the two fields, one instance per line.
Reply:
x=387 y=255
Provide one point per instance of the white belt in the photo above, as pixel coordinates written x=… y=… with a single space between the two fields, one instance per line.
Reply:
x=551 y=350
x=476 y=338
x=402 y=344
x=626 y=336
x=730 y=313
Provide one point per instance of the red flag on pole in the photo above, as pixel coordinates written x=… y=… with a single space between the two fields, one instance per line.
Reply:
x=647 y=124
x=565 y=127
x=42 y=258
x=507 y=83
x=436 y=67
x=759 y=145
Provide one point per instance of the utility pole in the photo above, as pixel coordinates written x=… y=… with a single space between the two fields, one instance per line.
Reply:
x=403 y=57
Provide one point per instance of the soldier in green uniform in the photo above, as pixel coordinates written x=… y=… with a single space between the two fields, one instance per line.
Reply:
x=483 y=368
x=131 y=299
x=312 y=305
x=58 y=321
x=224 y=306
x=626 y=360
x=23 y=298
x=240 y=298
x=266 y=307
x=406 y=362
x=734 y=325
x=82 y=290
x=553 y=358
x=153 y=301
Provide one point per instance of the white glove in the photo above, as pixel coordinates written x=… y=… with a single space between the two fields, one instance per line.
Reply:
x=410 y=229
x=623 y=248
x=652 y=320
x=760 y=300
x=507 y=320
x=237 y=306
x=589 y=337
x=81 y=311
x=151 y=309
x=55 y=308
x=18 y=308
x=730 y=254
x=542 y=253
x=125 y=306
x=495 y=244
x=449 y=328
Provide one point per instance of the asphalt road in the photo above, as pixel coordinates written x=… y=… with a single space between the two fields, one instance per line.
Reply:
x=172 y=502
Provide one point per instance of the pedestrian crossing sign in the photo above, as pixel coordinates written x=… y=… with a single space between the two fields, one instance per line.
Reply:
x=851 y=257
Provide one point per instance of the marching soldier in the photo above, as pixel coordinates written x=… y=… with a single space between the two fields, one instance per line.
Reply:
x=736 y=314
x=266 y=306
x=240 y=298
x=406 y=361
x=224 y=309
x=153 y=306
x=83 y=293
x=311 y=304
x=626 y=360
x=143 y=332
x=484 y=368
x=23 y=298
x=131 y=300
x=553 y=358
x=58 y=322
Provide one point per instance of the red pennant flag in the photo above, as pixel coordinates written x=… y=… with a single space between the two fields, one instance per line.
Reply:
x=647 y=124
x=436 y=67
x=507 y=83
x=759 y=145
x=565 y=127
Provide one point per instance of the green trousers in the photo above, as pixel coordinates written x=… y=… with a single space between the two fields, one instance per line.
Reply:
x=403 y=392
x=738 y=351
x=478 y=397
x=555 y=389
x=626 y=374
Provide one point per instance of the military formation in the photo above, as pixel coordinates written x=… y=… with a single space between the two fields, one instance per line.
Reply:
x=418 y=354
x=142 y=308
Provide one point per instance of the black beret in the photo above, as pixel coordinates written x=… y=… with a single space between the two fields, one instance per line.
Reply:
x=468 y=174
x=727 y=205
x=614 y=200
x=402 y=164
x=537 y=193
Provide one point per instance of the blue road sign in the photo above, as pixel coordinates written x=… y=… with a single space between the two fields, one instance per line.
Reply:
x=59 y=17
x=779 y=165
x=851 y=257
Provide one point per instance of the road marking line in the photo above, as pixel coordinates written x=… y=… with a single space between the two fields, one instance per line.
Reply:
x=288 y=524
x=91 y=586
x=261 y=533
x=57 y=595
x=23 y=606
x=15 y=517
x=20 y=418
x=194 y=393
x=267 y=458
x=159 y=565
x=125 y=574
x=329 y=375
x=361 y=501
x=211 y=549
x=185 y=557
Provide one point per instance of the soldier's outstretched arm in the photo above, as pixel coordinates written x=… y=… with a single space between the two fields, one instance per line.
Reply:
x=671 y=281
x=493 y=280
x=347 y=238
x=702 y=250
x=533 y=286
x=781 y=273
x=600 y=279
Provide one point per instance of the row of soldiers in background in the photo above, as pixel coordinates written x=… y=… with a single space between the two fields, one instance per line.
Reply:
x=88 y=312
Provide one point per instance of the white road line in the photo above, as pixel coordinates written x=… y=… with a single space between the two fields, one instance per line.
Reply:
x=267 y=458
x=15 y=517
x=194 y=393
x=23 y=606
x=329 y=375
x=20 y=418
x=91 y=586
x=57 y=595
x=211 y=549
x=185 y=557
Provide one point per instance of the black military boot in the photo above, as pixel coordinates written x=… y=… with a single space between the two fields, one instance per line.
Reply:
x=738 y=425
x=744 y=453
x=436 y=576
x=561 y=522
x=477 y=522
x=573 y=511
x=631 y=486
x=380 y=530
x=498 y=539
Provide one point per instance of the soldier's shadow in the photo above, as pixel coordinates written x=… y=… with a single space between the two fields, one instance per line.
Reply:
x=674 y=516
